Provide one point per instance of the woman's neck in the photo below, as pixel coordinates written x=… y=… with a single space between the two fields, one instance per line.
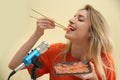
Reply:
x=80 y=51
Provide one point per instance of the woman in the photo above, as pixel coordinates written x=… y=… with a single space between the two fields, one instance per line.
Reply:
x=88 y=41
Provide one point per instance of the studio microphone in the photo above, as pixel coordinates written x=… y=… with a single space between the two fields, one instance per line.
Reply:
x=27 y=60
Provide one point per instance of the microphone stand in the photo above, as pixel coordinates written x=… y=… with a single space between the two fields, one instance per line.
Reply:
x=37 y=64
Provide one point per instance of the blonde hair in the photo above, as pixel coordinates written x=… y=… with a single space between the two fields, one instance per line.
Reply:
x=100 y=41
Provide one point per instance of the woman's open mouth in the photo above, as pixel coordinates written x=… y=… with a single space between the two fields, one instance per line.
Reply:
x=72 y=28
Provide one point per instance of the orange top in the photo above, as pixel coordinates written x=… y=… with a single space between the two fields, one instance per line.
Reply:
x=48 y=59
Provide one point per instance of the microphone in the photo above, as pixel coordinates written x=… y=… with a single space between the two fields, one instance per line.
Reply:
x=27 y=60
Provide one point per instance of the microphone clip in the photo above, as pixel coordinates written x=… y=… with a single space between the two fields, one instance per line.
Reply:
x=36 y=62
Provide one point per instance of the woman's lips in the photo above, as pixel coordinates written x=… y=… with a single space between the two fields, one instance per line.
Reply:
x=72 y=28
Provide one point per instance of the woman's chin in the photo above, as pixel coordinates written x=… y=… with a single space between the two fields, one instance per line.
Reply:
x=68 y=37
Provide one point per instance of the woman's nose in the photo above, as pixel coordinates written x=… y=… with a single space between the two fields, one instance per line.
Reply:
x=72 y=21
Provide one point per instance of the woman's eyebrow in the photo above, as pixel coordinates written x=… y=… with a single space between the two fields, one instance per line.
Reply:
x=82 y=16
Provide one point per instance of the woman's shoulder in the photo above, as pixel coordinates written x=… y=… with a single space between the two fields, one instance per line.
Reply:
x=52 y=52
x=54 y=49
x=58 y=45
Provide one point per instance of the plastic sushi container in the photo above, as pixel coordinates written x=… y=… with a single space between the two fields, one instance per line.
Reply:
x=70 y=68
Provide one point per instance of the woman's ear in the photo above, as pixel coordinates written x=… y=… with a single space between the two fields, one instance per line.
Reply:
x=89 y=35
x=90 y=32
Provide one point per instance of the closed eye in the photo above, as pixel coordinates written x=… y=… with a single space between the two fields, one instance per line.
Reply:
x=81 y=20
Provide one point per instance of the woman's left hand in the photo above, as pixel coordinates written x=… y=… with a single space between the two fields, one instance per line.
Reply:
x=89 y=76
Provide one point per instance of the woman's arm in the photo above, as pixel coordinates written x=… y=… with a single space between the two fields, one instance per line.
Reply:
x=42 y=24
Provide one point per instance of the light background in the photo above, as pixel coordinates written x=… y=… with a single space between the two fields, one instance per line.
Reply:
x=16 y=26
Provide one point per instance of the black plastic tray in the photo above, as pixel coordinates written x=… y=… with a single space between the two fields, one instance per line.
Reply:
x=63 y=70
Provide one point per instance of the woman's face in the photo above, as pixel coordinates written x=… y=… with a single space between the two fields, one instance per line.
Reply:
x=79 y=26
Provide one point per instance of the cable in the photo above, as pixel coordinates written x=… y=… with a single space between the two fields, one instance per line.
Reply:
x=12 y=73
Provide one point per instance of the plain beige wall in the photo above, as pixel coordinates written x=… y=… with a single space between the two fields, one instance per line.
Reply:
x=16 y=26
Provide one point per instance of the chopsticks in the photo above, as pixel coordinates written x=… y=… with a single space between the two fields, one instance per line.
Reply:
x=58 y=24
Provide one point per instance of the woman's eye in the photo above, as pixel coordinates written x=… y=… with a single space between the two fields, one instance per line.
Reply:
x=81 y=20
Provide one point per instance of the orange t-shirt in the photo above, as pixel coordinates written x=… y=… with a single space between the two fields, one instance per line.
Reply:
x=48 y=59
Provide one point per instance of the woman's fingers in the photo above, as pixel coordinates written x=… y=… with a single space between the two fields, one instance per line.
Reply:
x=91 y=75
x=45 y=23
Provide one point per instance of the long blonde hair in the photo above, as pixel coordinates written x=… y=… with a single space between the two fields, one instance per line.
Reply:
x=100 y=41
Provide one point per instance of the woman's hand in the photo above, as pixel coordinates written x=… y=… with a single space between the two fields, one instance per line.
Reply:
x=89 y=76
x=44 y=23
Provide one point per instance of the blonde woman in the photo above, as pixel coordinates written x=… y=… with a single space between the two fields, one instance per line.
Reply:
x=88 y=41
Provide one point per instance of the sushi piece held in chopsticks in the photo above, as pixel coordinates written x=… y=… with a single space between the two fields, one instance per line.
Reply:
x=67 y=29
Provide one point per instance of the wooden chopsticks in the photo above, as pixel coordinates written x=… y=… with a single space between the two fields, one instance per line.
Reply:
x=57 y=24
